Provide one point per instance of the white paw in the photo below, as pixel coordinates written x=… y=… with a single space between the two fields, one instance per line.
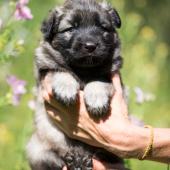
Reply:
x=97 y=98
x=65 y=88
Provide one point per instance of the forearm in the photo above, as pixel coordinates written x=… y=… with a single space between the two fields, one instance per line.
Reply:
x=132 y=142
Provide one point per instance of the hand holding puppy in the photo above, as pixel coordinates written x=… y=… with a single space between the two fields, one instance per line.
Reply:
x=117 y=133
x=105 y=133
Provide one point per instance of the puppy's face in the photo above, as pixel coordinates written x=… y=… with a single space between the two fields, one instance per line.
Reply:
x=83 y=31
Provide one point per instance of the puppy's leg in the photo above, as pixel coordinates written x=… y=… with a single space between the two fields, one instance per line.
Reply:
x=41 y=157
x=65 y=88
x=97 y=97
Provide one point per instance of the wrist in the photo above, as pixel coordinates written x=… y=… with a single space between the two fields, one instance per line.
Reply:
x=130 y=142
x=140 y=142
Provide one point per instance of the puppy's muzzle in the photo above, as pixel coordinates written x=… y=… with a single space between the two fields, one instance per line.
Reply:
x=90 y=46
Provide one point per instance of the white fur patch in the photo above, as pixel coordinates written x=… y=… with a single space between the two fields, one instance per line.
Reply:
x=104 y=4
x=97 y=94
x=65 y=85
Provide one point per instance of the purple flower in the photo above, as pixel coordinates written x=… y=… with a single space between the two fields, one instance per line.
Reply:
x=18 y=88
x=140 y=97
x=136 y=121
x=22 y=12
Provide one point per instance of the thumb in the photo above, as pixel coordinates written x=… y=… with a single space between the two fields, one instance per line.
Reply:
x=118 y=104
x=117 y=83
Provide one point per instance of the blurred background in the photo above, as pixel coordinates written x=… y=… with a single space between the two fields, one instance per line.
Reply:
x=146 y=72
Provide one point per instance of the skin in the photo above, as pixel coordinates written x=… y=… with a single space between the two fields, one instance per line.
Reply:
x=116 y=133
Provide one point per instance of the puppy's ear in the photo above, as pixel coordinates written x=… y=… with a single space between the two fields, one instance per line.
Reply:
x=113 y=13
x=115 y=18
x=50 y=25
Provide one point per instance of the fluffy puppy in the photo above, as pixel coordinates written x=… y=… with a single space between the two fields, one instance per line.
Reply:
x=82 y=49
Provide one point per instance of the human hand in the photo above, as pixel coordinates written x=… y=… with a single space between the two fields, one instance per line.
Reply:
x=116 y=133
x=81 y=124
x=106 y=133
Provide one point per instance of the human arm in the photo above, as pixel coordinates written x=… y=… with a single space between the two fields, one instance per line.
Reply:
x=116 y=134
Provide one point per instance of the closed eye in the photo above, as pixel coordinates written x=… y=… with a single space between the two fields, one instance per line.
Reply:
x=67 y=30
x=106 y=29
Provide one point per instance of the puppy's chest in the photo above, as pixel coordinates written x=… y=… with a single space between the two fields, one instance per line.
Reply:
x=86 y=75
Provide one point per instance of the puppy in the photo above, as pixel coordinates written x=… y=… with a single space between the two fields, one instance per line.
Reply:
x=82 y=50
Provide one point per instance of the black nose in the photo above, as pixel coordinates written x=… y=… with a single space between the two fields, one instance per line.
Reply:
x=90 y=46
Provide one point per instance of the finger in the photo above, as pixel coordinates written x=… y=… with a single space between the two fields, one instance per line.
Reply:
x=65 y=168
x=117 y=83
x=53 y=112
x=45 y=95
x=46 y=82
x=97 y=165
x=49 y=89
x=46 y=90
x=82 y=106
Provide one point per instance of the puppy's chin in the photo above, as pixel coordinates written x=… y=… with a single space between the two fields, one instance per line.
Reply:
x=87 y=62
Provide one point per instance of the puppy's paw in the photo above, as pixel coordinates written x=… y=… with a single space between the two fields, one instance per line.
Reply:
x=75 y=160
x=65 y=88
x=69 y=160
x=87 y=162
x=97 y=98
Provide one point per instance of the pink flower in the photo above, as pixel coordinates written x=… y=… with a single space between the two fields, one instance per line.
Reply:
x=22 y=12
x=18 y=88
x=24 y=2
